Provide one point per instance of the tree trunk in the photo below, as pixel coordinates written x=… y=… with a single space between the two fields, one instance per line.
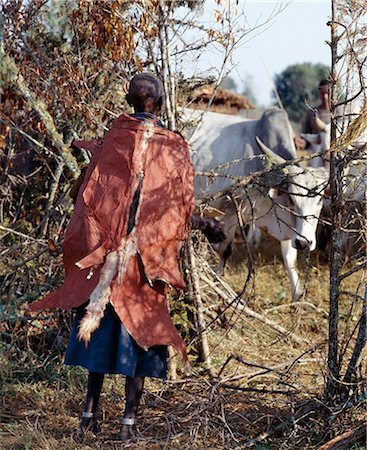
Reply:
x=335 y=256
x=164 y=13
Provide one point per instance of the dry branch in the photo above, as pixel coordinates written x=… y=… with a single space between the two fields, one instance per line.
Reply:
x=360 y=344
x=346 y=439
x=302 y=304
x=301 y=415
x=18 y=233
x=10 y=73
x=232 y=296
x=51 y=197
x=286 y=365
x=348 y=66
x=356 y=268
x=202 y=332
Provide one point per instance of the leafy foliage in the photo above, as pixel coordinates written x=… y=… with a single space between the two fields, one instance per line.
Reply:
x=298 y=84
x=229 y=83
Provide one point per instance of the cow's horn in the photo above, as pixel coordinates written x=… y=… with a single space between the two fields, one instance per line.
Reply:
x=320 y=124
x=267 y=151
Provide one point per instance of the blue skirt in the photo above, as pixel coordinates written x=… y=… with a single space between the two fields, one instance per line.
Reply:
x=112 y=350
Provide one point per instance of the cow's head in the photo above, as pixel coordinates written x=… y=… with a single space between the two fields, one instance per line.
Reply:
x=305 y=188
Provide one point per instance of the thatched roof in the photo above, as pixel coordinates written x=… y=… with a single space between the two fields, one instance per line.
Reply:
x=225 y=101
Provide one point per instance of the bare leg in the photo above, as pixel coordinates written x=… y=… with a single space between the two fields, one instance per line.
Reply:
x=95 y=383
x=133 y=390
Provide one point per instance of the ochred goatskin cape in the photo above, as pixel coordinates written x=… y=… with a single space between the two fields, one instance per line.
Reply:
x=100 y=219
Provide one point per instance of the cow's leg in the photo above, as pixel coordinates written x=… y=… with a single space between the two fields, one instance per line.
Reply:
x=223 y=257
x=289 y=254
x=224 y=249
x=253 y=236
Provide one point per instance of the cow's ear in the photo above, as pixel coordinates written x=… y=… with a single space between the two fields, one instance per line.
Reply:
x=273 y=193
x=277 y=192
x=284 y=188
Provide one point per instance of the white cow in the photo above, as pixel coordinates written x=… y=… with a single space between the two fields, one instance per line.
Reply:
x=290 y=215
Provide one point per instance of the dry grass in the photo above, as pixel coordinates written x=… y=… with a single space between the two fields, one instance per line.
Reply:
x=268 y=396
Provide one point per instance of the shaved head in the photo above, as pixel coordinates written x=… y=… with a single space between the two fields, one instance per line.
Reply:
x=146 y=93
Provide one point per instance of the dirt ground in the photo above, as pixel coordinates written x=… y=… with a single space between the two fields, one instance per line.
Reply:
x=267 y=390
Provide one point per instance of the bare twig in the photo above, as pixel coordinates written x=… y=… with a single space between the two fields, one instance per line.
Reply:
x=229 y=298
x=18 y=233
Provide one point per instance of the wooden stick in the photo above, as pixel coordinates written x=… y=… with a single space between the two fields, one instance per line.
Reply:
x=257 y=390
x=229 y=298
x=18 y=233
x=346 y=439
x=298 y=305
x=51 y=197
x=199 y=308
x=259 y=373
x=172 y=365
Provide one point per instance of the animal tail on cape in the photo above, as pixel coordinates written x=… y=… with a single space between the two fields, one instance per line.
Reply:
x=98 y=299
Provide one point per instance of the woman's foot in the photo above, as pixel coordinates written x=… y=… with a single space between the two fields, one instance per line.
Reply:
x=126 y=430
x=89 y=423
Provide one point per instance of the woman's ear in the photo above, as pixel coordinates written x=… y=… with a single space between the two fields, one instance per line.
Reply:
x=160 y=103
x=128 y=99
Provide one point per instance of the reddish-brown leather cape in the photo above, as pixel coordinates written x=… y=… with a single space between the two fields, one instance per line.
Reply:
x=99 y=222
